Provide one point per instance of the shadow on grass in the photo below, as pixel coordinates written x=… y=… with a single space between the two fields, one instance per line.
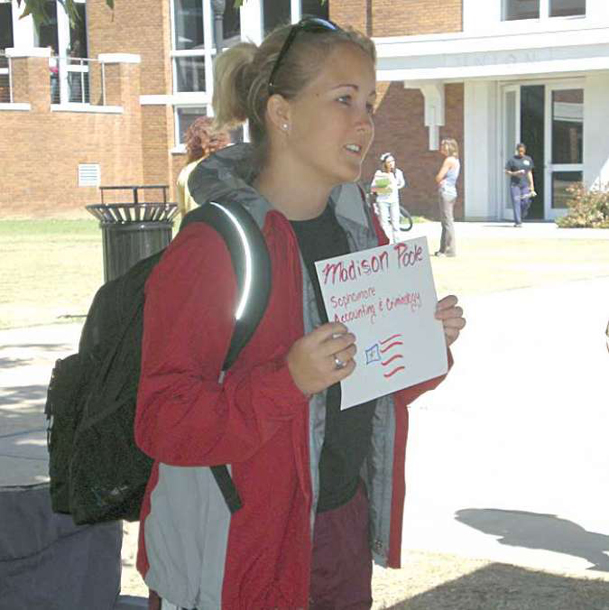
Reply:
x=504 y=587
x=540 y=531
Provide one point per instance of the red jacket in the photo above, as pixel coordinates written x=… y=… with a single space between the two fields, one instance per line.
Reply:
x=192 y=551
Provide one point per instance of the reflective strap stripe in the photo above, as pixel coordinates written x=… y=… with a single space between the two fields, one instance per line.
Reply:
x=248 y=261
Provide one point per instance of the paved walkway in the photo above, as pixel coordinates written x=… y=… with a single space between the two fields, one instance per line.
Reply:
x=508 y=460
x=506 y=230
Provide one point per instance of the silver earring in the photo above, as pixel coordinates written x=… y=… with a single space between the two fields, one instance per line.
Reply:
x=285 y=126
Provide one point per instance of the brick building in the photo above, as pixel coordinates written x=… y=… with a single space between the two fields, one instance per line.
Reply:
x=108 y=100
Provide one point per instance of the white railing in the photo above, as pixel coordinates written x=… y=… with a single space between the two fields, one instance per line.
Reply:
x=71 y=80
x=6 y=85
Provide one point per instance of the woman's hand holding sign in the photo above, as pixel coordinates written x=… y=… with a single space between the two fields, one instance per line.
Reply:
x=322 y=357
x=451 y=316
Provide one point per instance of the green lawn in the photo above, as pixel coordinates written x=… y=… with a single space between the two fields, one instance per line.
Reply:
x=50 y=269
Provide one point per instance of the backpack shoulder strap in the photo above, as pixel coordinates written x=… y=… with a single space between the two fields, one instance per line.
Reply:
x=251 y=263
x=252 y=266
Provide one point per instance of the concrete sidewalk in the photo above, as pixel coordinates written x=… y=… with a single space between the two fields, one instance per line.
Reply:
x=506 y=230
x=508 y=459
x=27 y=356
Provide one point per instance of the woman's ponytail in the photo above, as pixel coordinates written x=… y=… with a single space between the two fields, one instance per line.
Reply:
x=230 y=85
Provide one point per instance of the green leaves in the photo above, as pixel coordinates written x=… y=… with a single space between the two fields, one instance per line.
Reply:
x=37 y=9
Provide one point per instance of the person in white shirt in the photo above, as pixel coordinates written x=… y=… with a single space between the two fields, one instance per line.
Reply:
x=387 y=182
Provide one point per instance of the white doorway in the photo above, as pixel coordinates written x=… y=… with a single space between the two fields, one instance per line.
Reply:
x=548 y=118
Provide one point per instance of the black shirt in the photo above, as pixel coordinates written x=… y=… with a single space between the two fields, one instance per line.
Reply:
x=517 y=163
x=348 y=433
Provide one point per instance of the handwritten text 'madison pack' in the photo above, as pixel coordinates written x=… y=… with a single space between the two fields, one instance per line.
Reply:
x=403 y=255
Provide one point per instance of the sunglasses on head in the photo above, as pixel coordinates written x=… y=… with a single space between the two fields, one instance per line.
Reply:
x=309 y=24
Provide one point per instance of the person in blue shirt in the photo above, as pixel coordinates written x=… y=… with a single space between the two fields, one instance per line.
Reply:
x=522 y=188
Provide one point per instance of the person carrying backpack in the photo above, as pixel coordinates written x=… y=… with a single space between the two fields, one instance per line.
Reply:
x=321 y=489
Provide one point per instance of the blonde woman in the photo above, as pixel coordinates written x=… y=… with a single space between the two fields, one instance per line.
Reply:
x=446 y=179
x=305 y=534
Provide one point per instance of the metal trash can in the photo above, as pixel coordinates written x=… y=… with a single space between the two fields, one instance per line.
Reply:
x=132 y=231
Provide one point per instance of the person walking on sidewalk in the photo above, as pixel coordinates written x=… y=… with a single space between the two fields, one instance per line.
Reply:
x=305 y=470
x=387 y=182
x=522 y=188
x=446 y=179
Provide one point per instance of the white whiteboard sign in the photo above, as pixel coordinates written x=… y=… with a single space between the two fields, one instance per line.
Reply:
x=386 y=297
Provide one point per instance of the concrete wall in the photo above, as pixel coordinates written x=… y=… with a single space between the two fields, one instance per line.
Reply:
x=596 y=130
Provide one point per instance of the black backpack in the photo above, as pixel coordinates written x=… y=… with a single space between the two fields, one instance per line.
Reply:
x=97 y=472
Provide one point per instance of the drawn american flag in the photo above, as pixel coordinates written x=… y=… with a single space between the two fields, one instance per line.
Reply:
x=387 y=352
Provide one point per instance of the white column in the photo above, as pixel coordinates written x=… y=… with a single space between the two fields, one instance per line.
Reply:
x=23 y=29
x=433 y=94
x=208 y=41
x=251 y=21
x=544 y=9
x=63 y=42
x=480 y=151
x=296 y=10
x=596 y=131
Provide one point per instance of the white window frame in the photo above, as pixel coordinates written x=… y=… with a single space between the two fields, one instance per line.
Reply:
x=488 y=18
x=208 y=52
x=544 y=13
x=550 y=168
x=251 y=28
x=180 y=146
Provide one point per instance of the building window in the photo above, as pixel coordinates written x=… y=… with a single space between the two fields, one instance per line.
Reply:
x=47 y=32
x=231 y=25
x=314 y=8
x=78 y=32
x=561 y=181
x=6 y=25
x=515 y=10
x=190 y=73
x=567 y=8
x=275 y=13
x=567 y=126
x=189 y=46
x=279 y=12
x=185 y=117
x=188 y=24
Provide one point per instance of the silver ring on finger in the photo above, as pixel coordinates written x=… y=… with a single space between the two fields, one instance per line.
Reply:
x=339 y=364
